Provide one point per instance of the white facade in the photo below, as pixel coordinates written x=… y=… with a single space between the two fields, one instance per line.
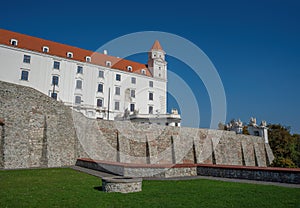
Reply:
x=37 y=69
x=253 y=129
x=236 y=126
x=172 y=119
x=258 y=130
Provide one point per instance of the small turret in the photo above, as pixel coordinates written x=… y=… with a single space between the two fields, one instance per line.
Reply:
x=258 y=130
x=156 y=61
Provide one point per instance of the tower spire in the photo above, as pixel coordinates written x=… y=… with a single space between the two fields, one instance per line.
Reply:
x=156 y=61
x=156 y=46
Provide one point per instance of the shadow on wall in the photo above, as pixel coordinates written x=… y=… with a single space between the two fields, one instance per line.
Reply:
x=41 y=132
x=126 y=142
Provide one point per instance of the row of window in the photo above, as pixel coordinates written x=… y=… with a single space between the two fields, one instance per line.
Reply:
x=55 y=81
x=56 y=64
x=100 y=88
x=26 y=59
x=45 y=49
x=100 y=103
x=78 y=100
x=25 y=73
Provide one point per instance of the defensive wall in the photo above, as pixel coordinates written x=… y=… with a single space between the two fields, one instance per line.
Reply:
x=37 y=131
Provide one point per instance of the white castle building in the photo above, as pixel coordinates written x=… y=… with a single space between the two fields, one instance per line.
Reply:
x=96 y=84
x=258 y=130
x=253 y=129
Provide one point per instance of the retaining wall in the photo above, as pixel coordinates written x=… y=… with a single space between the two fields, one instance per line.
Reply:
x=128 y=142
x=41 y=132
x=282 y=175
x=37 y=131
x=140 y=170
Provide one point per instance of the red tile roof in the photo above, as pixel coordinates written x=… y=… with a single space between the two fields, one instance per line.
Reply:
x=156 y=46
x=61 y=50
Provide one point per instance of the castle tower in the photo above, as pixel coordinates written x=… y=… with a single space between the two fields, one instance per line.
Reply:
x=156 y=61
x=258 y=130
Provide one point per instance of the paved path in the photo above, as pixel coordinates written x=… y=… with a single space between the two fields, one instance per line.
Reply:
x=288 y=185
x=103 y=174
x=92 y=172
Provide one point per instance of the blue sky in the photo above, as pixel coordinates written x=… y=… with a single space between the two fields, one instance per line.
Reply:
x=253 y=44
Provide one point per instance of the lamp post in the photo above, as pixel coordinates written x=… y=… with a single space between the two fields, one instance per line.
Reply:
x=108 y=103
x=53 y=91
x=54 y=82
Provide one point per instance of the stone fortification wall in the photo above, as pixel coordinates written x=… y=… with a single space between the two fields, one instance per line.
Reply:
x=1 y=143
x=38 y=131
x=282 y=175
x=127 y=142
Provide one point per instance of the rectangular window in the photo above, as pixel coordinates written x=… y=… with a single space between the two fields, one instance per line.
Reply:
x=77 y=100
x=101 y=74
x=100 y=87
x=133 y=80
x=132 y=107
x=150 y=95
x=100 y=102
x=117 y=91
x=26 y=59
x=150 y=83
x=79 y=70
x=55 y=80
x=118 y=77
x=56 y=65
x=132 y=93
x=24 y=75
x=78 y=84
x=117 y=105
x=54 y=95
x=150 y=109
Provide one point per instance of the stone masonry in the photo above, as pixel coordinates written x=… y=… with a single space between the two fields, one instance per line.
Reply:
x=126 y=142
x=121 y=184
x=38 y=131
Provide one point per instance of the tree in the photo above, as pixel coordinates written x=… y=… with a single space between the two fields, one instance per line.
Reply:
x=285 y=146
x=297 y=147
x=245 y=130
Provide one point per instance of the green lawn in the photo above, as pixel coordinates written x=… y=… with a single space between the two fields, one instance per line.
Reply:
x=65 y=187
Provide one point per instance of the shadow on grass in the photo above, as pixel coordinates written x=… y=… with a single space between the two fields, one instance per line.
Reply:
x=98 y=188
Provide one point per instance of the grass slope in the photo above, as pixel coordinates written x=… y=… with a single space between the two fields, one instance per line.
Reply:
x=65 y=187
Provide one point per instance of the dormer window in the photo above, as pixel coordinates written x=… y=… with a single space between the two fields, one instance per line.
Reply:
x=70 y=55
x=88 y=59
x=13 y=42
x=45 y=49
x=129 y=68
x=143 y=71
x=108 y=63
